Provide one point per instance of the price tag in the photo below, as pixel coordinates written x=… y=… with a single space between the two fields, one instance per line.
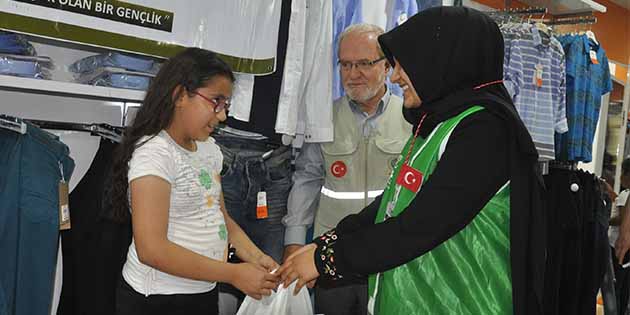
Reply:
x=538 y=76
x=593 y=55
x=64 y=209
x=261 y=206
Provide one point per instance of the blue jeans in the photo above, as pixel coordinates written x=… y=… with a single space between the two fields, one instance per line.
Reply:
x=245 y=173
x=29 y=218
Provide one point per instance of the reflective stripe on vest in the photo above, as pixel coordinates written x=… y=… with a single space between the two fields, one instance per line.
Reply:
x=347 y=195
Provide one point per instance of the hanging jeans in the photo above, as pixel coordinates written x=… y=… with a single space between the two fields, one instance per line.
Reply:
x=246 y=173
x=95 y=249
x=31 y=166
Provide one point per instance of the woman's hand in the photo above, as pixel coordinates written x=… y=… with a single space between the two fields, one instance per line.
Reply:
x=301 y=266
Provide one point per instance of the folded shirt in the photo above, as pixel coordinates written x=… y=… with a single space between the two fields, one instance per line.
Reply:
x=116 y=77
x=11 y=43
x=113 y=59
x=25 y=66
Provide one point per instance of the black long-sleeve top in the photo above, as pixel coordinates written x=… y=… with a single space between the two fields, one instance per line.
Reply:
x=472 y=168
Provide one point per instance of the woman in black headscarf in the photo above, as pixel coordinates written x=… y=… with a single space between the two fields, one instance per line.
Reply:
x=460 y=227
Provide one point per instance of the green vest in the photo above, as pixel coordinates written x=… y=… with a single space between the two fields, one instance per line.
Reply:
x=357 y=167
x=467 y=274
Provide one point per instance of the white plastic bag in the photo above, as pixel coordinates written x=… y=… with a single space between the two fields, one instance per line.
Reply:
x=281 y=302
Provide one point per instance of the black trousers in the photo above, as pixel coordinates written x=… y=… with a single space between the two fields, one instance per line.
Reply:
x=621 y=285
x=577 y=242
x=130 y=302
x=344 y=300
x=95 y=248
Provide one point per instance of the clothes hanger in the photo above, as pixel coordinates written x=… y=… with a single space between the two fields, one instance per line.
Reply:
x=542 y=26
x=591 y=35
x=102 y=130
x=12 y=123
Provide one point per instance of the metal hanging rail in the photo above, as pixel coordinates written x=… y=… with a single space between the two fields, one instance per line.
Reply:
x=524 y=11
x=573 y=21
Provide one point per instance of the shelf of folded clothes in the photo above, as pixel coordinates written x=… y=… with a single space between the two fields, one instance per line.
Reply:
x=70 y=88
x=15 y=44
x=114 y=69
x=109 y=75
x=19 y=58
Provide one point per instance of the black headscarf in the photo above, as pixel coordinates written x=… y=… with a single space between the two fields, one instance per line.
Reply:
x=447 y=52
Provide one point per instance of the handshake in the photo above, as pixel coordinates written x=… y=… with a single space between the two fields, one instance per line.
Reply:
x=260 y=276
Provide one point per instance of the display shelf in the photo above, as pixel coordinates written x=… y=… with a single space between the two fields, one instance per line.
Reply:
x=70 y=88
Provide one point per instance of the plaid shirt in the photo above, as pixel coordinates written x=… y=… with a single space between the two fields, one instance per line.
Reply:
x=586 y=83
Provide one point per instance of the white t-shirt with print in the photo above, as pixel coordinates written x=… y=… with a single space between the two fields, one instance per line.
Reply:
x=195 y=220
x=613 y=231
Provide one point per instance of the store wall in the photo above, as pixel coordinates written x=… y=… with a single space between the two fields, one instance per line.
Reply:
x=612 y=30
x=617 y=93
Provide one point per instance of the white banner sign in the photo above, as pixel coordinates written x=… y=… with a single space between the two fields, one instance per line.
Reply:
x=240 y=28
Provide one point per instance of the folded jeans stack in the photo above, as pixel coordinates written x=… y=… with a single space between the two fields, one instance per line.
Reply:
x=18 y=58
x=115 y=70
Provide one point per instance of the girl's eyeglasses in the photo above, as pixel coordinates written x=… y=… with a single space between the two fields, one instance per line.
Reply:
x=219 y=103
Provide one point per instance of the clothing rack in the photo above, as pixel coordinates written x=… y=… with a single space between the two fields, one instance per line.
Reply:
x=506 y=15
x=565 y=165
x=572 y=21
x=103 y=130
x=525 y=11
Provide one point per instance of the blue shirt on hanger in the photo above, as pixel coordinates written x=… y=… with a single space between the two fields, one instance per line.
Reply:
x=534 y=76
x=345 y=13
x=587 y=80
x=398 y=13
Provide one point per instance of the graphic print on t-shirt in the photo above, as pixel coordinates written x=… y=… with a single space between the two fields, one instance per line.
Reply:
x=205 y=179
x=222 y=232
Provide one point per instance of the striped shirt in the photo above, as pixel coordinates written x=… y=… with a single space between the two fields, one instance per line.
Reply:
x=532 y=54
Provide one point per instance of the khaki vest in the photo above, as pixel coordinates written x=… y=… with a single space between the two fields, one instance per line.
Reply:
x=357 y=167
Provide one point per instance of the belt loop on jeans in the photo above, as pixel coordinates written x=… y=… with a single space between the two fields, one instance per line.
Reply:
x=229 y=157
x=267 y=155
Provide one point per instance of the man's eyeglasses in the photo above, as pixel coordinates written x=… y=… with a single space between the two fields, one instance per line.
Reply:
x=363 y=65
x=219 y=103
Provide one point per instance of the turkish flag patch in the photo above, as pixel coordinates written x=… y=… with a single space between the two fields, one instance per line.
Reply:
x=338 y=169
x=409 y=178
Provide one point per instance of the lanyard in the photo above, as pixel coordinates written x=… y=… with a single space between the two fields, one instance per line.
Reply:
x=413 y=141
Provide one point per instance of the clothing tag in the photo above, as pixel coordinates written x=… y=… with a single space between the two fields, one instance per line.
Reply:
x=593 y=55
x=409 y=178
x=390 y=209
x=261 y=206
x=64 y=210
x=402 y=18
x=538 y=76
